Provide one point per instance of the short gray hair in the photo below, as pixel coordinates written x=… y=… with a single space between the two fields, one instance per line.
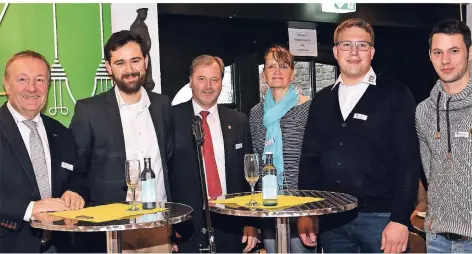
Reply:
x=26 y=54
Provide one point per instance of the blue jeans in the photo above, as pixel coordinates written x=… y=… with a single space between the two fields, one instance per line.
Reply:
x=361 y=235
x=438 y=244
x=296 y=245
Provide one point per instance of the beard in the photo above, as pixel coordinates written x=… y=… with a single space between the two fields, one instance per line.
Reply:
x=133 y=87
x=455 y=78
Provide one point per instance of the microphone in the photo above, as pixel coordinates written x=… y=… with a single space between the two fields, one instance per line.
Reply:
x=197 y=129
x=198 y=134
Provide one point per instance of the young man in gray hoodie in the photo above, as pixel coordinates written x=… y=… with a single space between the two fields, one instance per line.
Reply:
x=444 y=126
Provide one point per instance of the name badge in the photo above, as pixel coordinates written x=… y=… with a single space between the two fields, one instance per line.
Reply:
x=269 y=142
x=67 y=166
x=239 y=146
x=461 y=134
x=360 y=116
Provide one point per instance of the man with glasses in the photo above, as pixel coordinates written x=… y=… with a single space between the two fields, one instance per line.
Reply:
x=360 y=139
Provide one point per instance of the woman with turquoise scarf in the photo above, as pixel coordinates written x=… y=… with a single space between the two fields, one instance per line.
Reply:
x=277 y=125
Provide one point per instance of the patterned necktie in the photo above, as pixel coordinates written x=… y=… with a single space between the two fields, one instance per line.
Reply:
x=212 y=177
x=38 y=159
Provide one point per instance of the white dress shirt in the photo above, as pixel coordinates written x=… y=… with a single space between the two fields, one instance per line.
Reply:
x=217 y=139
x=25 y=135
x=349 y=95
x=141 y=140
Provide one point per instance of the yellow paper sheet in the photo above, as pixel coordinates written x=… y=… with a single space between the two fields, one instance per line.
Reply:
x=105 y=212
x=284 y=201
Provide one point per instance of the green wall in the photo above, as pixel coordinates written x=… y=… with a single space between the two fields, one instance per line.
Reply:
x=30 y=26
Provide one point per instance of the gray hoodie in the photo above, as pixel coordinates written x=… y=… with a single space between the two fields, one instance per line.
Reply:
x=444 y=127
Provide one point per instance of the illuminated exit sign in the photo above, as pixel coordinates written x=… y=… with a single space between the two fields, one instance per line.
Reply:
x=336 y=7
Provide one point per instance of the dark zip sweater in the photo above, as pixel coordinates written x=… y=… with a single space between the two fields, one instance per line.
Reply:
x=376 y=159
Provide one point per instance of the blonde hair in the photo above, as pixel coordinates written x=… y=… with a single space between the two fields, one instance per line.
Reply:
x=354 y=22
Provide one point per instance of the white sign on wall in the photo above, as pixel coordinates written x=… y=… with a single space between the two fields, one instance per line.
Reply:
x=303 y=42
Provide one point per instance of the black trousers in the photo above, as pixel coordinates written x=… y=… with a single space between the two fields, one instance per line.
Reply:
x=89 y=242
x=228 y=234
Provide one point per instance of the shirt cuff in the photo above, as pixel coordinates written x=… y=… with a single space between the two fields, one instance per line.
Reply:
x=28 y=212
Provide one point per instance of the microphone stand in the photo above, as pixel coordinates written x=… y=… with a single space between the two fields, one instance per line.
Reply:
x=198 y=134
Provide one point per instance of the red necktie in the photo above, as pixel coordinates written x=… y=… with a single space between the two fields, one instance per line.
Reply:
x=212 y=177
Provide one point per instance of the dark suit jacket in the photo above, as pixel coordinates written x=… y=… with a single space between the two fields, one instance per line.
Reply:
x=99 y=135
x=18 y=184
x=185 y=178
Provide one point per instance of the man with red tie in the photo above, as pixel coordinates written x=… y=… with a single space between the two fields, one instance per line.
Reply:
x=226 y=140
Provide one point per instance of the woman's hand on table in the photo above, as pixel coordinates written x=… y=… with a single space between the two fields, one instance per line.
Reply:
x=307 y=230
x=250 y=236
x=173 y=244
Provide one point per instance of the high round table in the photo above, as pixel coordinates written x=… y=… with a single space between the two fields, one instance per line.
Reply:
x=333 y=202
x=174 y=214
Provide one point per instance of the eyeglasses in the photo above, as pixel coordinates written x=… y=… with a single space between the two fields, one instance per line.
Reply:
x=347 y=45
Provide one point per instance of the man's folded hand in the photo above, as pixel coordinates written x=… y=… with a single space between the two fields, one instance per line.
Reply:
x=72 y=200
x=49 y=205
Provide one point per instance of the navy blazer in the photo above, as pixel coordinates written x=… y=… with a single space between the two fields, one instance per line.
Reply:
x=185 y=177
x=18 y=186
x=98 y=132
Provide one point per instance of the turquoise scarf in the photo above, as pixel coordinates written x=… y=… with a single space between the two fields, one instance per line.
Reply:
x=273 y=112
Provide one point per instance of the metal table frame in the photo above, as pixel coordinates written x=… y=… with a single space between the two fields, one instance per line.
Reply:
x=333 y=202
x=174 y=214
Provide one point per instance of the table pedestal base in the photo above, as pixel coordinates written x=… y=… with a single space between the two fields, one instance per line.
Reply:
x=283 y=235
x=113 y=242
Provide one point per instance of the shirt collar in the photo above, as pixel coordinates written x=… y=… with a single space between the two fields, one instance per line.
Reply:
x=20 y=118
x=370 y=78
x=197 y=108
x=144 y=102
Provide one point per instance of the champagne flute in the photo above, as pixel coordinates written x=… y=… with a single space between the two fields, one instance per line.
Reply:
x=133 y=173
x=252 y=173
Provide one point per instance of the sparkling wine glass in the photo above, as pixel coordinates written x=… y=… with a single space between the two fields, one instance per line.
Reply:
x=133 y=173
x=252 y=173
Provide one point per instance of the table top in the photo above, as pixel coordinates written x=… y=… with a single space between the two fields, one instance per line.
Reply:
x=174 y=214
x=334 y=202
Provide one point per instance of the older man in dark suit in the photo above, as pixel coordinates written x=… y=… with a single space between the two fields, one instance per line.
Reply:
x=37 y=158
x=126 y=122
x=227 y=139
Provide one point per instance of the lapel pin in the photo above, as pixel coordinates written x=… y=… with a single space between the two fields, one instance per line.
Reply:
x=229 y=127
